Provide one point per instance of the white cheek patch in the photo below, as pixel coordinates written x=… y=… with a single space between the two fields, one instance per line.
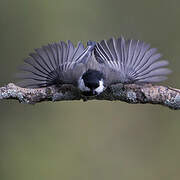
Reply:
x=82 y=86
x=101 y=88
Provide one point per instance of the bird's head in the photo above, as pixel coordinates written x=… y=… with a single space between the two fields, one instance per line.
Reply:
x=91 y=83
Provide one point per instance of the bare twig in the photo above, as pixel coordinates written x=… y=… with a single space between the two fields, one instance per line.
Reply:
x=130 y=93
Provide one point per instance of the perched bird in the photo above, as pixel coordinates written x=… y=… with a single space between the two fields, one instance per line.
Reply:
x=94 y=68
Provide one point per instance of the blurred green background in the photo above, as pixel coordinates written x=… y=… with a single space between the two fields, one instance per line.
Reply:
x=96 y=140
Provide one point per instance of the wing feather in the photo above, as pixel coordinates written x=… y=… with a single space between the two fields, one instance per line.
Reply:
x=130 y=61
x=54 y=64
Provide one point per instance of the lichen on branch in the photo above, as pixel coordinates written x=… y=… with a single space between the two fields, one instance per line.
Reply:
x=130 y=93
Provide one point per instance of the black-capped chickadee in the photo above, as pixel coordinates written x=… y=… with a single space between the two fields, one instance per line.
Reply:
x=94 y=68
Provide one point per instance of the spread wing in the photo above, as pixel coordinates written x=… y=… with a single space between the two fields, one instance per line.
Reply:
x=130 y=61
x=54 y=64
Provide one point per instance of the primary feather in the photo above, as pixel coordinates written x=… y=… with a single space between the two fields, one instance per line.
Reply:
x=130 y=61
x=54 y=64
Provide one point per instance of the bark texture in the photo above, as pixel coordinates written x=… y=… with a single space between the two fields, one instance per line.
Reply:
x=130 y=93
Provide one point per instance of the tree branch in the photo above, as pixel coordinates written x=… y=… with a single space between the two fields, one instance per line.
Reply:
x=130 y=93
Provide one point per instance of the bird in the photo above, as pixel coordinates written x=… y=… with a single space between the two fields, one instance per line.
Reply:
x=96 y=67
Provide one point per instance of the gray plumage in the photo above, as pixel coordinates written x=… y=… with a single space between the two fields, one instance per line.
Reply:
x=94 y=68
x=130 y=61
x=54 y=64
